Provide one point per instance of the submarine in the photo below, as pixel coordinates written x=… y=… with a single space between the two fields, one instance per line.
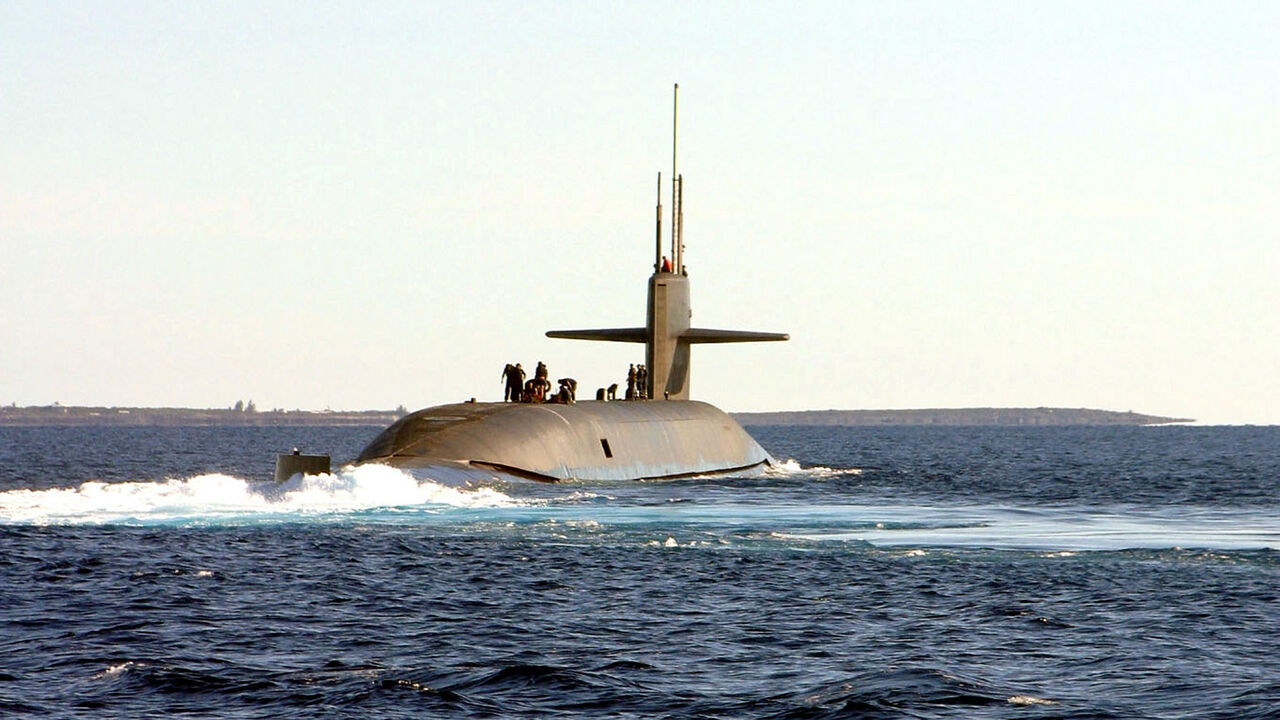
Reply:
x=659 y=435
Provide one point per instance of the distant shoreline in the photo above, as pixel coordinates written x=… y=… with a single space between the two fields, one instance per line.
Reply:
x=59 y=415
x=958 y=417
x=56 y=415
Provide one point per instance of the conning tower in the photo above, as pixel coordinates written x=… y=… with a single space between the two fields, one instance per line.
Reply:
x=667 y=333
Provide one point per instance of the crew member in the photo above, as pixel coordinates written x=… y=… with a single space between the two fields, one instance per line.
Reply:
x=642 y=382
x=631 y=383
x=666 y=264
x=569 y=387
x=514 y=375
x=535 y=390
x=564 y=395
x=540 y=373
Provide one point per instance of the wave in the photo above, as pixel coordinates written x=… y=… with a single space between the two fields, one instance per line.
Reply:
x=792 y=468
x=1054 y=532
x=217 y=496
x=892 y=692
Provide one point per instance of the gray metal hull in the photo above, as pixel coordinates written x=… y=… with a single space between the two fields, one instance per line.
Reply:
x=581 y=441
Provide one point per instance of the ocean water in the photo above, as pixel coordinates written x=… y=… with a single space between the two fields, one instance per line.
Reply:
x=878 y=573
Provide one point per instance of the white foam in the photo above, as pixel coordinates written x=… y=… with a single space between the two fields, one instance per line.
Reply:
x=1029 y=700
x=351 y=489
x=578 y=495
x=115 y=670
x=790 y=468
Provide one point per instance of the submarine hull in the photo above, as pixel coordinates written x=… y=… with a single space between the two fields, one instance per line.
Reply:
x=588 y=440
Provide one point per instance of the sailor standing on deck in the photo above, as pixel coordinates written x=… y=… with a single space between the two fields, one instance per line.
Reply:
x=515 y=382
x=631 y=383
x=642 y=383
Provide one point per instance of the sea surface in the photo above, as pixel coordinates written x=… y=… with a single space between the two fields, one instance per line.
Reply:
x=1118 y=572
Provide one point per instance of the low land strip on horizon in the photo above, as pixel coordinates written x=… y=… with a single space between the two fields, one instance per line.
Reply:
x=994 y=417
x=1000 y=417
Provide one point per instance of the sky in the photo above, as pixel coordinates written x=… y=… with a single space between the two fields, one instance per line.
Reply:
x=365 y=205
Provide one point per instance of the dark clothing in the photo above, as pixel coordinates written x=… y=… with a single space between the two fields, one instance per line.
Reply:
x=569 y=386
x=515 y=382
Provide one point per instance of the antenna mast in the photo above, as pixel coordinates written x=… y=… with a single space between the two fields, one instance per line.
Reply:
x=657 y=243
x=680 y=219
x=677 y=244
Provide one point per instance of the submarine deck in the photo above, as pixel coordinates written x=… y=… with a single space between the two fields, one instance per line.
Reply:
x=618 y=440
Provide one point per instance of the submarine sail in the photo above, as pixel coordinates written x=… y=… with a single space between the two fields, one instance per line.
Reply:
x=667 y=334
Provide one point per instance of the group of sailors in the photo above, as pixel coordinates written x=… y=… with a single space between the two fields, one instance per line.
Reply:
x=538 y=388
x=637 y=383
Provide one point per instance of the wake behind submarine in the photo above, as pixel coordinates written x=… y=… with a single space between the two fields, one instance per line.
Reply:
x=662 y=434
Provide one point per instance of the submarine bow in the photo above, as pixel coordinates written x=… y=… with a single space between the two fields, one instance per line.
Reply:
x=580 y=441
